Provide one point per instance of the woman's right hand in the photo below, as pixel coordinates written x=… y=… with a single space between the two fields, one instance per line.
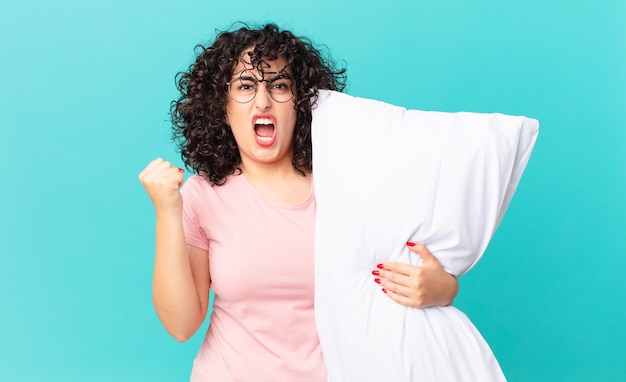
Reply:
x=162 y=181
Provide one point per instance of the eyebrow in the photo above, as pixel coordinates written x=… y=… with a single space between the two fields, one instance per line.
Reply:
x=278 y=76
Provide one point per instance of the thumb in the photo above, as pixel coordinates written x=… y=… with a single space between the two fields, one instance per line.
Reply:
x=423 y=252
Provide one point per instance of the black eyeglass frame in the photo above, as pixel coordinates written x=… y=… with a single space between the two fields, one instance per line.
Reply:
x=256 y=88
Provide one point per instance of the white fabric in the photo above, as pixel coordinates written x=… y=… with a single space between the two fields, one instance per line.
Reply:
x=385 y=175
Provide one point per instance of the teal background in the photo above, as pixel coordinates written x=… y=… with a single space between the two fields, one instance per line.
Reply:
x=84 y=95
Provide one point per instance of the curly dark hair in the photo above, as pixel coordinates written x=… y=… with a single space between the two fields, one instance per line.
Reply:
x=204 y=139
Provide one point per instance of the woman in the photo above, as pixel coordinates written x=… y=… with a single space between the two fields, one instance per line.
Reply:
x=244 y=224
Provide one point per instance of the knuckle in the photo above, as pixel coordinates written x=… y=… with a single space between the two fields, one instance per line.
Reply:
x=416 y=283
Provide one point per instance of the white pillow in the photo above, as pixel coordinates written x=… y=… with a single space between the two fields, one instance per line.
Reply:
x=385 y=175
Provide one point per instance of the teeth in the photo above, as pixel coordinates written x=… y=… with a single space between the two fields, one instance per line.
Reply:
x=263 y=121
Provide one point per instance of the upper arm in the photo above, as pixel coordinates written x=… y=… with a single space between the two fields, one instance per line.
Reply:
x=199 y=261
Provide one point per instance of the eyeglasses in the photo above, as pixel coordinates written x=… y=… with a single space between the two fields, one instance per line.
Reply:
x=244 y=88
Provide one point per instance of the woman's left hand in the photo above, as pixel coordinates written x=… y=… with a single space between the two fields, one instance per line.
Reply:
x=417 y=286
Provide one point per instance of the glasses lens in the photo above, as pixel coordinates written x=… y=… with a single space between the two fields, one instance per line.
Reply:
x=242 y=90
x=281 y=90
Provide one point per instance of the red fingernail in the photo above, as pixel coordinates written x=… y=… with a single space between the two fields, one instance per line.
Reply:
x=181 y=170
x=384 y=290
x=379 y=266
x=376 y=272
x=377 y=280
x=410 y=244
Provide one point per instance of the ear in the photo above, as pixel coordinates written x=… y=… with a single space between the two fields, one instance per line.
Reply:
x=227 y=118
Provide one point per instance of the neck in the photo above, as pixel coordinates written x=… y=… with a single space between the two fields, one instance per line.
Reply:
x=255 y=169
x=281 y=183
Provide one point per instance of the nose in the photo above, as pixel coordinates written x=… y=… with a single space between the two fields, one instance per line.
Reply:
x=263 y=99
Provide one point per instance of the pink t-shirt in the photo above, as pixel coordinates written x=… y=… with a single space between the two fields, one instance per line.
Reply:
x=261 y=262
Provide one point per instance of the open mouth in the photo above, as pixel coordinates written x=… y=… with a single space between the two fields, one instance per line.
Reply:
x=265 y=131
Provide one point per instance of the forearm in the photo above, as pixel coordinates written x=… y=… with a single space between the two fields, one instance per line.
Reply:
x=175 y=296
